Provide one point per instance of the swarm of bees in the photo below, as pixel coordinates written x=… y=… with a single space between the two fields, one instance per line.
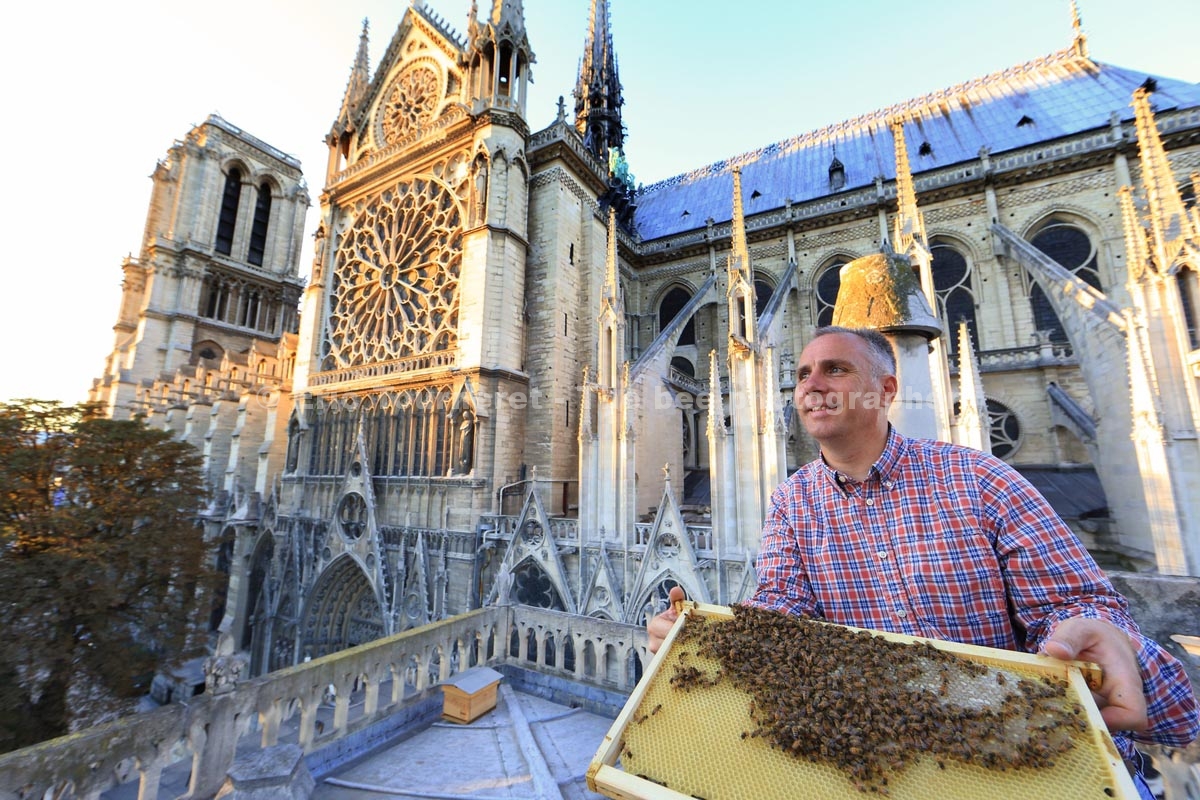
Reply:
x=870 y=706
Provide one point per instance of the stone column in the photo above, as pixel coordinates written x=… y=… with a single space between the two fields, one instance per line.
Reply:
x=214 y=740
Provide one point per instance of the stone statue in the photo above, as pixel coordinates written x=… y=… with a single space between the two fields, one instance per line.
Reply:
x=318 y=267
x=466 y=443
x=619 y=168
x=479 y=211
x=293 y=449
x=504 y=583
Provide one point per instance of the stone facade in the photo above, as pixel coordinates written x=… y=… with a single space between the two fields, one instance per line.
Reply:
x=517 y=377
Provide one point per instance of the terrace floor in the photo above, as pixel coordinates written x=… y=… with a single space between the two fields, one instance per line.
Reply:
x=525 y=748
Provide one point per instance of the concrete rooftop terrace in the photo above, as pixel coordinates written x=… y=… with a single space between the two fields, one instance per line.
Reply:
x=526 y=747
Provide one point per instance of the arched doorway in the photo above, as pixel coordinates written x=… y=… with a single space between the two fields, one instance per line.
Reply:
x=342 y=612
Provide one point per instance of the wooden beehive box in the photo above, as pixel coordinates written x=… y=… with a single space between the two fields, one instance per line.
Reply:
x=470 y=694
x=668 y=743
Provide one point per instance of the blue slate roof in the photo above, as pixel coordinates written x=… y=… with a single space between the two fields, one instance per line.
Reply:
x=1060 y=95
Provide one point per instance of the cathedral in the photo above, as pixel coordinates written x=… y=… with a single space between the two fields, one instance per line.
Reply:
x=515 y=375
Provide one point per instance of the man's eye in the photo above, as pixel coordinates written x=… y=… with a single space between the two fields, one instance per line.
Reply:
x=804 y=374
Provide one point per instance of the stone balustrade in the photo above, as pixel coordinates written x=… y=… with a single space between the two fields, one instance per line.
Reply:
x=311 y=704
x=1047 y=354
x=441 y=359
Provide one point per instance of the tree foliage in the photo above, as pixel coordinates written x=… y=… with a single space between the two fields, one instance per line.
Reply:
x=103 y=567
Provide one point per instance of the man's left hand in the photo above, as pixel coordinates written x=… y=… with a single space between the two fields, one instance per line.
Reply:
x=1120 y=698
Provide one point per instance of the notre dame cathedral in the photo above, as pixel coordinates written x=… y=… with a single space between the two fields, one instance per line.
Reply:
x=514 y=375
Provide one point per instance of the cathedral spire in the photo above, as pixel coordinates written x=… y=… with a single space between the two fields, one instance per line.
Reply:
x=1137 y=253
x=612 y=287
x=909 y=228
x=1079 y=42
x=974 y=424
x=739 y=254
x=740 y=292
x=1172 y=231
x=356 y=86
x=598 y=98
x=472 y=25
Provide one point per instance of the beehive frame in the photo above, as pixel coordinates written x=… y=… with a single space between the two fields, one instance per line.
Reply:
x=708 y=755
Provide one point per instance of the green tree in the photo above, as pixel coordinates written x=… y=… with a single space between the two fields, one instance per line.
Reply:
x=104 y=570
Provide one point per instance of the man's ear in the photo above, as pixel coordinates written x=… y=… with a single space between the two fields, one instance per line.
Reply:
x=890 y=388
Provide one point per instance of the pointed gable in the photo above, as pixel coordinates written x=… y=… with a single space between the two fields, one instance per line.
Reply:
x=416 y=601
x=419 y=80
x=602 y=594
x=669 y=554
x=533 y=542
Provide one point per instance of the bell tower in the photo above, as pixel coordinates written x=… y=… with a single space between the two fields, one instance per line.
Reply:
x=217 y=271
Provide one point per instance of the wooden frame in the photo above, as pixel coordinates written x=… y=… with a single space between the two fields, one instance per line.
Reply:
x=606 y=777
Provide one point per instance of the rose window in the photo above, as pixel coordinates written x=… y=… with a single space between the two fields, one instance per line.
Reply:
x=395 y=278
x=534 y=534
x=410 y=103
x=534 y=588
x=414 y=606
x=352 y=514
x=667 y=545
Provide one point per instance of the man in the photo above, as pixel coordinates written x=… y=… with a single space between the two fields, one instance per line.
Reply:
x=931 y=539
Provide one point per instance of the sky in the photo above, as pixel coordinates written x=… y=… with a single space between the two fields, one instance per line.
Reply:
x=96 y=93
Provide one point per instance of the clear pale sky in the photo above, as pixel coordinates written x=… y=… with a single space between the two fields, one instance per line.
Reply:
x=95 y=94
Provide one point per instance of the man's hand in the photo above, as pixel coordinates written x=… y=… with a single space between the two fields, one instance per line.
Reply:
x=658 y=627
x=1121 y=699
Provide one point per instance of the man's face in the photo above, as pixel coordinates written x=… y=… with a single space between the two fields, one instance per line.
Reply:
x=837 y=392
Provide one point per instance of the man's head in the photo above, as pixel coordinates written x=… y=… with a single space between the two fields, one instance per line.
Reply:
x=846 y=381
x=881 y=352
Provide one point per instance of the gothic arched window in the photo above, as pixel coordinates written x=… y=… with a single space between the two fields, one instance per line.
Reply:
x=955 y=298
x=1071 y=248
x=1005 y=429
x=258 y=231
x=828 y=284
x=762 y=295
x=1188 y=284
x=672 y=303
x=227 y=222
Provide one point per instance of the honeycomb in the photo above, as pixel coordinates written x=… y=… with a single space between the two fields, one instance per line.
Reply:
x=690 y=730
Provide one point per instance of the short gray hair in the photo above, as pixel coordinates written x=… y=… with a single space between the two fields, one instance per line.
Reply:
x=879 y=348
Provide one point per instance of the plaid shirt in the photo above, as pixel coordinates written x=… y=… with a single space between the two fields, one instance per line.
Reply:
x=950 y=543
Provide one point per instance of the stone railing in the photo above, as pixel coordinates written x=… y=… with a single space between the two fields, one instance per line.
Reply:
x=687 y=382
x=1057 y=354
x=426 y=361
x=343 y=698
x=503 y=526
x=699 y=536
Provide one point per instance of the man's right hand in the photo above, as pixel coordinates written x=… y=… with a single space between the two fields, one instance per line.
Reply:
x=658 y=627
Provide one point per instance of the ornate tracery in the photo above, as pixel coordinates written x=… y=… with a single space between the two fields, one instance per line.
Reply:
x=407 y=432
x=395 y=277
x=411 y=103
x=342 y=611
